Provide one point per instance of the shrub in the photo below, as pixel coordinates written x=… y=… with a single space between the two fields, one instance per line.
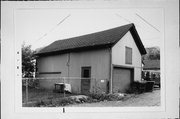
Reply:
x=32 y=83
x=66 y=101
x=103 y=97
x=53 y=103
x=40 y=103
x=95 y=97
x=136 y=87
x=140 y=87
x=130 y=90
x=147 y=78
x=149 y=86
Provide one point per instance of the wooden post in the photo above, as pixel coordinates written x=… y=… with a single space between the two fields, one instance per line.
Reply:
x=110 y=72
x=64 y=87
x=95 y=85
x=26 y=90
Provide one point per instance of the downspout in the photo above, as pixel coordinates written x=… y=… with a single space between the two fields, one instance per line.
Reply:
x=141 y=67
x=68 y=64
x=110 y=70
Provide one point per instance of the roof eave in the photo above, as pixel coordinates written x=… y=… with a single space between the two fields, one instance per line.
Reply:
x=95 y=47
x=138 y=41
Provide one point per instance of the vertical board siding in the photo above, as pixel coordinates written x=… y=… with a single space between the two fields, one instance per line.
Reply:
x=97 y=59
x=121 y=79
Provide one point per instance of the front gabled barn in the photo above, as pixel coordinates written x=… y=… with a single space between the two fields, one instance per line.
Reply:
x=111 y=57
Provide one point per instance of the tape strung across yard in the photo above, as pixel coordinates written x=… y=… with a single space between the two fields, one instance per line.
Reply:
x=56 y=78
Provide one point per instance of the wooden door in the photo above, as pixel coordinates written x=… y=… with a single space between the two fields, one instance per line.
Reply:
x=121 y=79
x=86 y=80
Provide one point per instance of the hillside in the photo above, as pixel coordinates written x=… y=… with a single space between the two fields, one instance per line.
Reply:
x=153 y=53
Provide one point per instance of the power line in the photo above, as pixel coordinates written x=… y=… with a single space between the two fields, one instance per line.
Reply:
x=128 y=20
x=123 y=18
x=53 y=28
x=147 y=22
x=64 y=19
x=153 y=38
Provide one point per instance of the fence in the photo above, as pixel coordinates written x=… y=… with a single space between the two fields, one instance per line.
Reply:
x=44 y=88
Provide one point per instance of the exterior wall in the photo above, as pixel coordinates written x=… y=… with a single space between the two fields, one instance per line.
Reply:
x=118 y=54
x=53 y=64
x=98 y=60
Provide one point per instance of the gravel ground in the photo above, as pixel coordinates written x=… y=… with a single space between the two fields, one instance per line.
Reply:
x=145 y=99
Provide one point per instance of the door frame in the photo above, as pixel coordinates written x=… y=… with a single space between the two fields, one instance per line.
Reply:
x=82 y=70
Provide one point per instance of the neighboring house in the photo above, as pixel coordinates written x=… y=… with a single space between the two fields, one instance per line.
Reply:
x=112 y=56
x=153 y=67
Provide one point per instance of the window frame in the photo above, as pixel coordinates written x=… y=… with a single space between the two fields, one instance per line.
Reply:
x=85 y=68
x=128 y=58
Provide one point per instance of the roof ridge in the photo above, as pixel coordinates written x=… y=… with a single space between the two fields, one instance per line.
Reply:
x=94 y=32
x=105 y=38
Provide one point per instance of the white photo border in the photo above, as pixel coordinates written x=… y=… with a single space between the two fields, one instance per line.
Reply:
x=124 y=111
x=18 y=81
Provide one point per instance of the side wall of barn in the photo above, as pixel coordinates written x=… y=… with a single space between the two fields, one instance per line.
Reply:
x=70 y=64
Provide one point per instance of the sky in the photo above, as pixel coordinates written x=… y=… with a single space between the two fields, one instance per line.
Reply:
x=40 y=27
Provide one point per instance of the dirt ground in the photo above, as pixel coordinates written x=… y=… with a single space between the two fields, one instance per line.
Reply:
x=145 y=99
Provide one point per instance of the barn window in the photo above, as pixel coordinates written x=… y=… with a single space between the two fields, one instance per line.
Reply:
x=86 y=72
x=128 y=56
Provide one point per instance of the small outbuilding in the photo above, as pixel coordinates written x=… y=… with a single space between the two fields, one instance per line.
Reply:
x=110 y=59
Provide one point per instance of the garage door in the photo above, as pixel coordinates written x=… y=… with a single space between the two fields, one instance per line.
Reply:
x=121 y=79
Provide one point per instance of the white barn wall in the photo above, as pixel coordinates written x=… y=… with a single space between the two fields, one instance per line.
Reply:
x=98 y=60
x=137 y=74
x=118 y=54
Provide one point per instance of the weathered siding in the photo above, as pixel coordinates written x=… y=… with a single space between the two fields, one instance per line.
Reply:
x=97 y=59
x=55 y=63
x=118 y=54
x=123 y=84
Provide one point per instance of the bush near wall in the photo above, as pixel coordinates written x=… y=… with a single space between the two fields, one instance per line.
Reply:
x=107 y=97
x=140 y=87
x=149 y=86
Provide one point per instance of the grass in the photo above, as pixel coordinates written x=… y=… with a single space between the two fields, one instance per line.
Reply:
x=45 y=98
x=41 y=94
x=94 y=98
